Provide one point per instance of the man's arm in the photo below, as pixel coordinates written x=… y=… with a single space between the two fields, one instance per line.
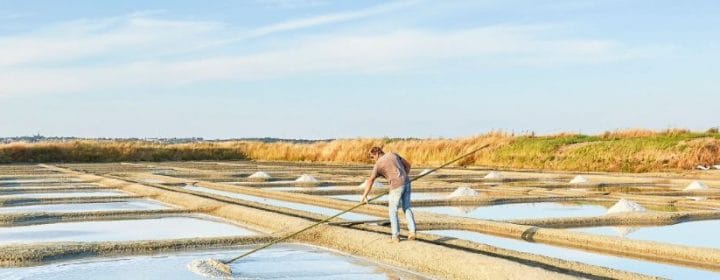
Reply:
x=369 y=183
x=368 y=187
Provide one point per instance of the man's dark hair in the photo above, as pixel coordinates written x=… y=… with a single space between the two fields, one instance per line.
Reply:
x=376 y=151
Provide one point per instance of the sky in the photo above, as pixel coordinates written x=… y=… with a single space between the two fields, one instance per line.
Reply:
x=317 y=69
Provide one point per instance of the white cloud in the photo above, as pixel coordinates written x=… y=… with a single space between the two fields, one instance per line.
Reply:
x=132 y=51
x=329 y=18
x=84 y=39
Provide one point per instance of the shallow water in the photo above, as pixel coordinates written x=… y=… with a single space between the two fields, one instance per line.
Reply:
x=121 y=230
x=286 y=204
x=64 y=194
x=284 y=261
x=519 y=211
x=698 y=234
x=627 y=264
x=39 y=181
x=413 y=197
x=79 y=187
x=139 y=204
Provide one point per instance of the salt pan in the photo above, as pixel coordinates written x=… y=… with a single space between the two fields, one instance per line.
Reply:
x=305 y=178
x=493 y=175
x=579 y=179
x=260 y=176
x=463 y=191
x=696 y=186
x=625 y=205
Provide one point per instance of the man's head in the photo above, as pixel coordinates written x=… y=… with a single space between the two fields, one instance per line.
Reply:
x=376 y=153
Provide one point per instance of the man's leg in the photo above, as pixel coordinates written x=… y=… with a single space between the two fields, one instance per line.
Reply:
x=393 y=202
x=406 y=205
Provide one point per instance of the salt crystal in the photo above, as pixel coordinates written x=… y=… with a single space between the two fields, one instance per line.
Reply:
x=493 y=175
x=305 y=178
x=579 y=179
x=260 y=175
x=625 y=205
x=463 y=191
x=696 y=186
x=210 y=268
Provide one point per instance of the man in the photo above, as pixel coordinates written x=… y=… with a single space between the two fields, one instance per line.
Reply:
x=395 y=169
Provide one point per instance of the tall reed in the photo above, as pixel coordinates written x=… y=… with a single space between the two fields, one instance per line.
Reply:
x=626 y=150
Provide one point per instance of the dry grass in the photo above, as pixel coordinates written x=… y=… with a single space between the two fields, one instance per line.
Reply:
x=91 y=151
x=626 y=150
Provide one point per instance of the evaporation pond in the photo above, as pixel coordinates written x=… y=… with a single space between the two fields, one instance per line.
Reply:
x=519 y=210
x=280 y=203
x=627 y=264
x=64 y=194
x=413 y=196
x=39 y=180
x=121 y=230
x=284 y=261
x=698 y=233
x=136 y=204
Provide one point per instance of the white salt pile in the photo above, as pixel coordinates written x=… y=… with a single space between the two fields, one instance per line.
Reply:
x=625 y=205
x=305 y=178
x=260 y=176
x=696 y=186
x=579 y=179
x=425 y=171
x=702 y=167
x=463 y=191
x=210 y=268
x=717 y=166
x=493 y=175
x=376 y=184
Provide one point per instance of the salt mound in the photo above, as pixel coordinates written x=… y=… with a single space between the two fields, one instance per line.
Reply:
x=696 y=186
x=493 y=175
x=579 y=179
x=463 y=191
x=376 y=184
x=425 y=171
x=210 y=268
x=717 y=166
x=625 y=205
x=305 y=178
x=260 y=175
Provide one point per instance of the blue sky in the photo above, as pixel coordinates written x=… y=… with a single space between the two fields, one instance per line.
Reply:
x=342 y=69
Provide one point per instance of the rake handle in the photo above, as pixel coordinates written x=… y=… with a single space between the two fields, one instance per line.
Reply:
x=350 y=209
